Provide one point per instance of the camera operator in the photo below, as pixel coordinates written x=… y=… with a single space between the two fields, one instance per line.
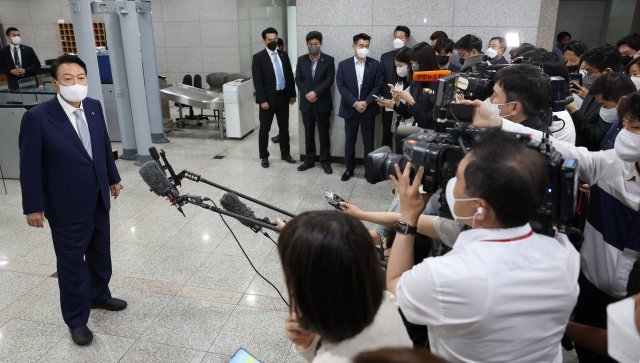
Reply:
x=503 y=293
x=519 y=94
x=468 y=46
x=611 y=244
x=418 y=104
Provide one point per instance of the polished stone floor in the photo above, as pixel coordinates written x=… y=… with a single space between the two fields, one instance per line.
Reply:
x=193 y=297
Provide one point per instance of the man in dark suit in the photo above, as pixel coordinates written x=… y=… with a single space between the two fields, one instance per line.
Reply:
x=314 y=77
x=358 y=80
x=387 y=61
x=67 y=172
x=275 y=91
x=17 y=60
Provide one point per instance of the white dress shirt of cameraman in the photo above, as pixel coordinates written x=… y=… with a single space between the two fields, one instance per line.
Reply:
x=503 y=293
x=612 y=233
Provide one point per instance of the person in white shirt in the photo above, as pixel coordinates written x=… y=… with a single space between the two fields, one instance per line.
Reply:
x=339 y=307
x=503 y=293
x=611 y=244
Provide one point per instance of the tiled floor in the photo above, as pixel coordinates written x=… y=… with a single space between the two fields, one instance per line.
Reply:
x=192 y=295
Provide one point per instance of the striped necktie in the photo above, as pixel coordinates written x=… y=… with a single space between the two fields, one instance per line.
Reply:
x=16 y=58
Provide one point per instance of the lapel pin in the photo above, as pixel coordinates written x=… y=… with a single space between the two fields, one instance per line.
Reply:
x=93 y=113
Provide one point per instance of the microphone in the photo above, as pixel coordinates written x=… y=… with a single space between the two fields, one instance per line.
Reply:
x=231 y=203
x=159 y=184
x=430 y=76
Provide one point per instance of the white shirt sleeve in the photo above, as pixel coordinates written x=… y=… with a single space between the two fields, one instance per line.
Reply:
x=589 y=163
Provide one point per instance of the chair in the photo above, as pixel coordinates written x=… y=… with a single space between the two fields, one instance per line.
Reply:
x=215 y=81
x=186 y=80
x=197 y=82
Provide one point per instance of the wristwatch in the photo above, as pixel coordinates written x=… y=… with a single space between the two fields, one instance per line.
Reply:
x=404 y=228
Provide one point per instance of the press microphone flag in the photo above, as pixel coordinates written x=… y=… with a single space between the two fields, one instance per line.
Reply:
x=430 y=76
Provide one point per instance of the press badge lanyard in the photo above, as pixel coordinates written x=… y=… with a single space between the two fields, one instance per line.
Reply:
x=524 y=236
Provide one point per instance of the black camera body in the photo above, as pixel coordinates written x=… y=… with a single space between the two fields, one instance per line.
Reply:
x=440 y=154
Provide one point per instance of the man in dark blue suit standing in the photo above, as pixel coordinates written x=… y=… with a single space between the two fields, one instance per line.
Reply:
x=67 y=172
x=314 y=77
x=359 y=80
x=17 y=61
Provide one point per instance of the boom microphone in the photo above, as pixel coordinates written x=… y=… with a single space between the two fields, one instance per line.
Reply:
x=430 y=76
x=231 y=203
x=159 y=184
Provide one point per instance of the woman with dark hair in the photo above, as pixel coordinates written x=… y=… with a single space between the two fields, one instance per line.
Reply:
x=415 y=101
x=339 y=306
x=401 y=80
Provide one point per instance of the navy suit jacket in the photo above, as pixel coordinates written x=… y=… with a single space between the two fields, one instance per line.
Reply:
x=30 y=63
x=264 y=77
x=321 y=83
x=347 y=83
x=57 y=175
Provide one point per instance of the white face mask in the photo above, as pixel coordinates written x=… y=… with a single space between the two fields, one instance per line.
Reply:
x=491 y=53
x=627 y=146
x=16 y=40
x=609 y=115
x=636 y=81
x=623 y=338
x=75 y=93
x=402 y=71
x=451 y=201
x=398 y=43
x=496 y=109
x=362 y=52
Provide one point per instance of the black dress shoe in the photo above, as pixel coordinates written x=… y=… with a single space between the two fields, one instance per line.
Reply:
x=288 y=159
x=306 y=165
x=81 y=335
x=347 y=175
x=112 y=304
x=265 y=163
x=327 y=168
x=276 y=139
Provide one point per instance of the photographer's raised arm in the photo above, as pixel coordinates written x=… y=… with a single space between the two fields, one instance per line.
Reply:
x=588 y=162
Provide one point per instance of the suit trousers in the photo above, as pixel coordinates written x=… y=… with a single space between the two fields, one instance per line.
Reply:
x=387 y=135
x=367 y=128
x=310 y=119
x=280 y=108
x=83 y=260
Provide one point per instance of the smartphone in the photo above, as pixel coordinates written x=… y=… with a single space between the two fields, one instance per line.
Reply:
x=376 y=97
x=242 y=356
x=390 y=85
x=575 y=77
x=333 y=199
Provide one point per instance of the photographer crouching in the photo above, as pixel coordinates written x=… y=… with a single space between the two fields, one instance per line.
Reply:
x=503 y=293
x=611 y=244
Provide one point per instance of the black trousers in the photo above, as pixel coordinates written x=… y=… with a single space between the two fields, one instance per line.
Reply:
x=311 y=119
x=279 y=108
x=83 y=259
x=591 y=309
x=387 y=135
x=367 y=128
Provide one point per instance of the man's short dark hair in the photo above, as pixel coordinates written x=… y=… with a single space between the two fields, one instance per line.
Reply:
x=314 y=34
x=404 y=29
x=631 y=40
x=332 y=273
x=525 y=83
x=604 y=56
x=612 y=86
x=549 y=63
x=280 y=42
x=629 y=107
x=65 y=59
x=577 y=46
x=501 y=40
x=502 y=169
x=522 y=49
x=269 y=30
x=438 y=34
x=445 y=44
x=11 y=29
x=362 y=36
x=468 y=43
x=562 y=35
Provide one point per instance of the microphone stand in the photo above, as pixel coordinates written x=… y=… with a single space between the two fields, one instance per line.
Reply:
x=200 y=202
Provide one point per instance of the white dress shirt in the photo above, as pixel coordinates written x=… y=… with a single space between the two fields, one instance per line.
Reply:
x=19 y=54
x=69 y=110
x=610 y=245
x=275 y=72
x=564 y=130
x=359 y=72
x=386 y=331
x=500 y=295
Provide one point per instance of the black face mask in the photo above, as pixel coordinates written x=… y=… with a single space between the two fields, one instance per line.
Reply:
x=573 y=69
x=272 y=46
x=442 y=59
x=626 y=59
